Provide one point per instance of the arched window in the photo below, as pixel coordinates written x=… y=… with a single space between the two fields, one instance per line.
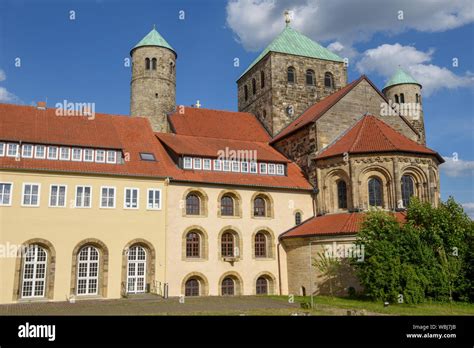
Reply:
x=227 y=206
x=298 y=218
x=417 y=97
x=260 y=245
x=259 y=207
x=254 y=87
x=375 y=192
x=88 y=271
x=246 y=93
x=193 y=245
x=310 y=81
x=262 y=286
x=264 y=114
x=328 y=80
x=136 y=269
x=407 y=189
x=34 y=272
x=147 y=63
x=227 y=244
x=402 y=98
x=153 y=64
x=193 y=205
x=228 y=286
x=171 y=67
x=191 y=287
x=341 y=194
x=291 y=75
x=262 y=79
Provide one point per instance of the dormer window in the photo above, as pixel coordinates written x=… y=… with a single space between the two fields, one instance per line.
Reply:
x=76 y=154
x=188 y=163
x=88 y=155
x=271 y=169
x=197 y=163
x=27 y=151
x=52 y=152
x=280 y=168
x=40 y=151
x=217 y=165
x=111 y=157
x=226 y=166
x=100 y=156
x=65 y=153
x=263 y=168
x=235 y=166
x=12 y=150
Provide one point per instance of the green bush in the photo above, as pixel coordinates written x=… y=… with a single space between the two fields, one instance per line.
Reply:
x=428 y=257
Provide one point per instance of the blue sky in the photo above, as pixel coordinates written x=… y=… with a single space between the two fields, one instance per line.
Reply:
x=82 y=60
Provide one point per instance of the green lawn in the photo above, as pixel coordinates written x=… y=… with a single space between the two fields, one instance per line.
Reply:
x=333 y=305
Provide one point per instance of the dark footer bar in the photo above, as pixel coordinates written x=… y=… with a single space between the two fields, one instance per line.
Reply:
x=242 y=330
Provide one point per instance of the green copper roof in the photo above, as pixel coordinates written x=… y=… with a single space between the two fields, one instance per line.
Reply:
x=291 y=41
x=400 y=77
x=153 y=38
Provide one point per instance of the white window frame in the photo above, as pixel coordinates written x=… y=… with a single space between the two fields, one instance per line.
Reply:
x=88 y=262
x=262 y=168
x=23 y=147
x=57 y=197
x=197 y=163
x=9 y=145
x=23 y=195
x=11 y=194
x=236 y=166
x=114 y=158
x=280 y=169
x=57 y=153
x=226 y=167
x=82 y=201
x=2 y=149
x=68 y=157
x=80 y=154
x=114 y=196
x=206 y=164
x=188 y=162
x=244 y=167
x=97 y=152
x=253 y=167
x=38 y=147
x=154 y=190
x=84 y=155
x=34 y=279
x=217 y=165
x=271 y=168
x=125 y=198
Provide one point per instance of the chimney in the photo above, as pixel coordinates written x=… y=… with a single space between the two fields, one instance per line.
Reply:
x=41 y=105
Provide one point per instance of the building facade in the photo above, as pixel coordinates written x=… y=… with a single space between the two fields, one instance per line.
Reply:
x=184 y=201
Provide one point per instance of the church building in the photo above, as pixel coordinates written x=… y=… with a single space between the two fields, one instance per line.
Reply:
x=175 y=200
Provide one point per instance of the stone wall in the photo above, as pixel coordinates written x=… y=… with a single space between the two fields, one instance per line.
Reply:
x=304 y=279
x=278 y=95
x=153 y=92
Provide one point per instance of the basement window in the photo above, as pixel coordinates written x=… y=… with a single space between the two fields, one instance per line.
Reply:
x=145 y=156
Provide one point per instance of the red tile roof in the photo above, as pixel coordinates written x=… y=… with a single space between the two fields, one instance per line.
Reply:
x=332 y=224
x=371 y=134
x=218 y=124
x=315 y=111
x=131 y=135
x=211 y=147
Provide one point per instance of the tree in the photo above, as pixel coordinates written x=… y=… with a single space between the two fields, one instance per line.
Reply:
x=328 y=266
x=429 y=256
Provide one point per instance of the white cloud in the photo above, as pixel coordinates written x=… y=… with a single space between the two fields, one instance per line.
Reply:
x=5 y=95
x=385 y=58
x=342 y=50
x=456 y=168
x=256 y=22
x=469 y=209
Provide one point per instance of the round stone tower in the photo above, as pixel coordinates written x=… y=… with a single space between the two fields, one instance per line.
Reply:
x=153 y=85
x=405 y=91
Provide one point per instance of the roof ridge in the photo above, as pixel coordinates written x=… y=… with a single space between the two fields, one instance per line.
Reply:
x=358 y=135
x=382 y=132
x=200 y=136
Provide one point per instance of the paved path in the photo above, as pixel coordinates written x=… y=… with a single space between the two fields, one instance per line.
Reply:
x=154 y=305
